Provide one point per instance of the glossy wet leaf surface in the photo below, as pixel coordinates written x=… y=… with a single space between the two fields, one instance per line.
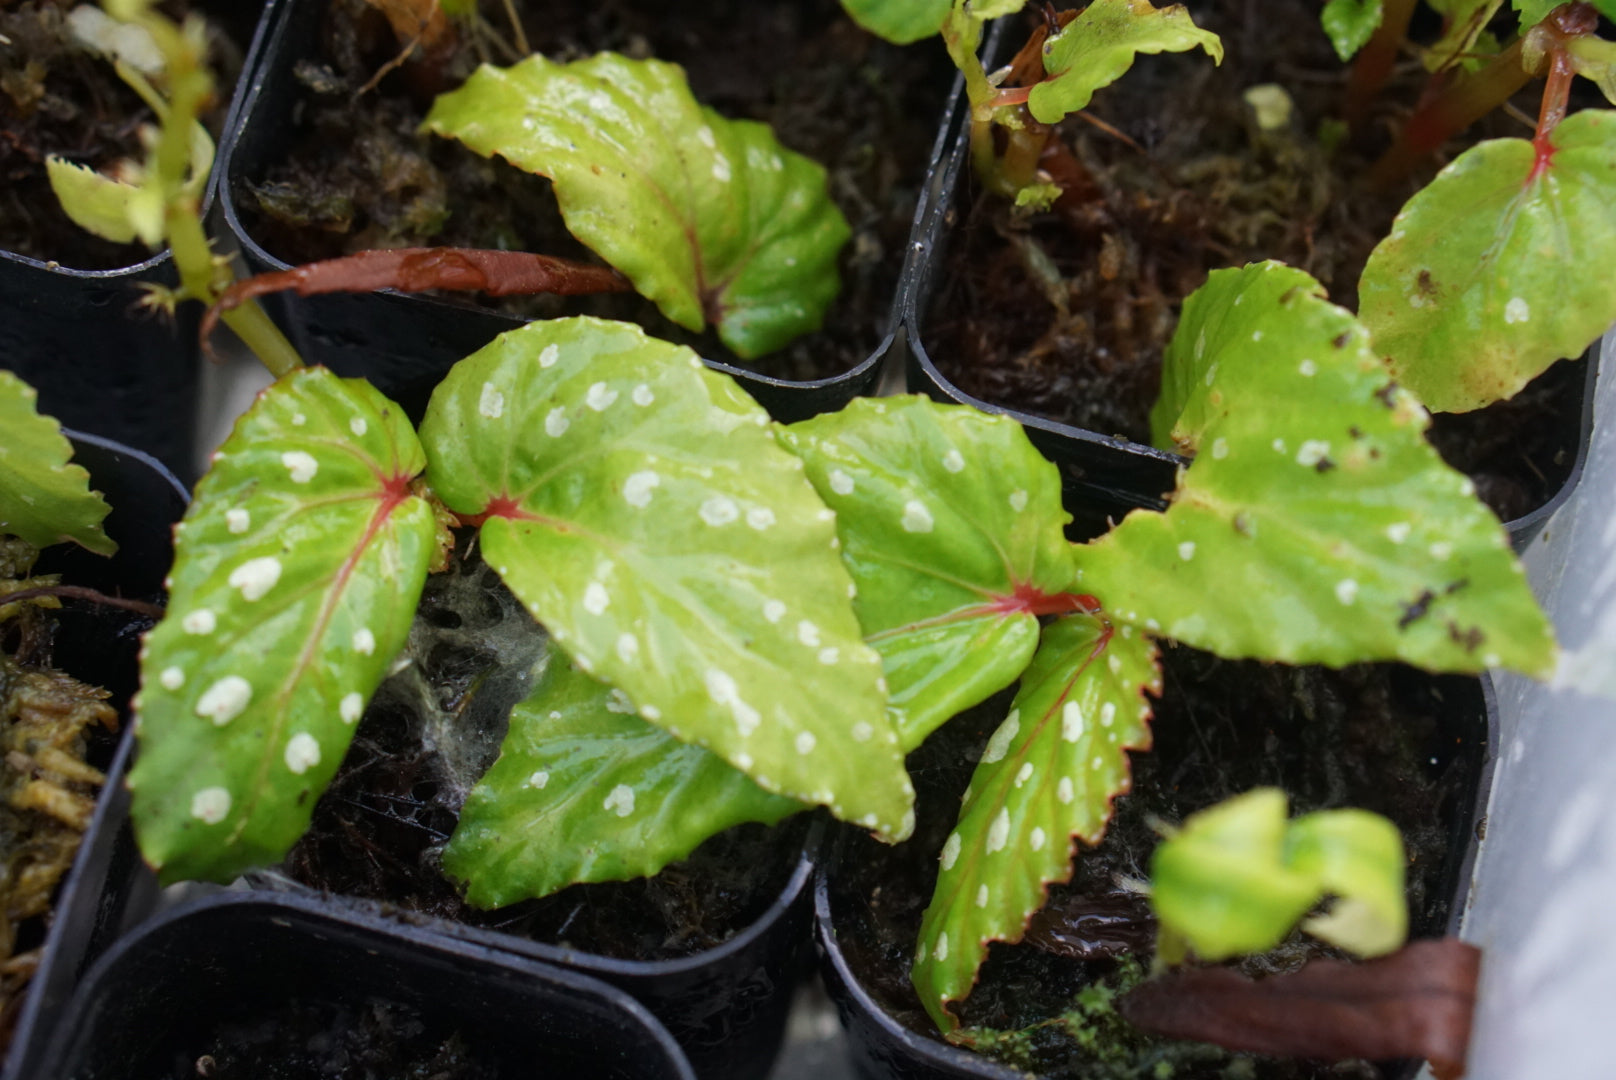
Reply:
x=710 y=218
x=1048 y=774
x=951 y=526
x=44 y=499
x=1499 y=267
x=297 y=570
x=1315 y=525
x=584 y=790
x=638 y=505
x=1099 y=46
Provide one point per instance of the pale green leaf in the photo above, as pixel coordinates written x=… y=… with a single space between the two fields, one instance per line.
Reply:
x=1316 y=524
x=1533 y=12
x=710 y=218
x=899 y=21
x=1499 y=267
x=1048 y=774
x=43 y=499
x=638 y=505
x=1464 y=21
x=1098 y=47
x=95 y=203
x=951 y=527
x=297 y=570
x=1351 y=23
x=584 y=790
x=1237 y=877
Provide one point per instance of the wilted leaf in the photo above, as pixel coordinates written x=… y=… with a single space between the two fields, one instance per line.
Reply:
x=1498 y=267
x=1351 y=23
x=297 y=570
x=1098 y=47
x=899 y=21
x=1415 y=1003
x=638 y=505
x=43 y=499
x=1315 y=525
x=710 y=218
x=1238 y=877
x=951 y=526
x=584 y=790
x=1048 y=774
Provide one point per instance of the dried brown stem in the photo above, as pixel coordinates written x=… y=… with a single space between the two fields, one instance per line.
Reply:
x=78 y=592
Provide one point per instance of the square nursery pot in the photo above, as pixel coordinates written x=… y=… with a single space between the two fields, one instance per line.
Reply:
x=73 y=332
x=1421 y=751
x=291 y=983
x=99 y=645
x=1555 y=412
x=403 y=344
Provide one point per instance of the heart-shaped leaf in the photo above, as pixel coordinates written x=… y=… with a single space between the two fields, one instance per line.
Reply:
x=44 y=500
x=584 y=790
x=951 y=526
x=1315 y=525
x=1098 y=47
x=1048 y=774
x=297 y=570
x=899 y=21
x=1237 y=877
x=1499 y=267
x=638 y=505
x=710 y=218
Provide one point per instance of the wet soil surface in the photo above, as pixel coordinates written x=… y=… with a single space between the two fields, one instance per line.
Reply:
x=311 y=1038
x=355 y=174
x=58 y=98
x=434 y=728
x=1379 y=737
x=1066 y=314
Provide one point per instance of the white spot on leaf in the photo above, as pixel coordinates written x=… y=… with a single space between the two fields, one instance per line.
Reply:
x=829 y=655
x=596 y=598
x=1035 y=839
x=951 y=850
x=916 y=518
x=364 y=642
x=1024 y=773
x=351 y=708
x=941 y=951
x=1308 y=367
x=600 y=397
x=618 y=702
x=954 y=461
x=1071 y=721
x=556 y=422
x=773 y=610
x=1108 y=714
x=255 y=577
x=1517 y=311
x=300 y=465
x=620 y=801
x=808 y=634
x=637 y=488
x=1003 y=736
x=1441 y=549
x=999 y=831
x=211 y=805
x=537 y=780
x=237 y=521
x=1186 y=550
x=1398 y=531
x=302 y=752
x=862 y=732
x=549 y=355
x=1063 y=790
x=981 y=896
x=805 y=742
x=840 y=482
x=1018 y=501
x=172 y=678
x=1220 y=449
x=628 y=648
x=225 y=700
x=760 y=517
x=358 y=426
x=1312 y=452
x=642 y=395
x=719 y=510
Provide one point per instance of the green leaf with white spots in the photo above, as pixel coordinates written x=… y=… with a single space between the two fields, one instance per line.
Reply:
x=1325 y=531
x=297 y=570
x=639 y=506
x=44 y=500
x=584 y=790
x=712 y=219
x=1048 y=774
x=1237 y=877
x=899 y=21
x=951 y=527
x=1098 y=47
x=1499 y=267
x=1351 y=23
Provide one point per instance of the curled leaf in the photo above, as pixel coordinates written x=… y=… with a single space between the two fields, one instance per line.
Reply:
x=950 y=523
x=712 y=219
x=638 y=505
x=1049 y=774
x=43 y=499
x=297 y=569
x=1416 y=1003
x=584 y=790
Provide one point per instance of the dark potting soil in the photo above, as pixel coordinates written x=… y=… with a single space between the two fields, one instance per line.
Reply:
x=434 y=728
x=1066 y=314
x=1377 y=737
x=358 y=176
x=58 y=98
x=311 y=1039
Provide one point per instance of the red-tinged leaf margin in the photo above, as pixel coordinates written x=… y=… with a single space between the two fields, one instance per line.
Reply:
x=1051 y=771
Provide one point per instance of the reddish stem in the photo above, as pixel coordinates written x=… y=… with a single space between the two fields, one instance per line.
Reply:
x=1374 y=63
x=500 y=506
x=497 y=273
x=1031 y=600
x=1556 y=99
x=78 y=592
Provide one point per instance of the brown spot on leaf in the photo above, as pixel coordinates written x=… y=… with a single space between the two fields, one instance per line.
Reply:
x=1426 y=284
x=1416 y=610
x=1343 y=339
x=1469 y=639
x=1387 y=394
x=1323 y=465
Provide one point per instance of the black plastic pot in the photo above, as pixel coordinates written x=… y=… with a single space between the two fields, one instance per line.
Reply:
x=404 y=343
x=100 y=645
x=158 y=998
x=99 y=363
x=1110 y=468
x=726 y=1007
